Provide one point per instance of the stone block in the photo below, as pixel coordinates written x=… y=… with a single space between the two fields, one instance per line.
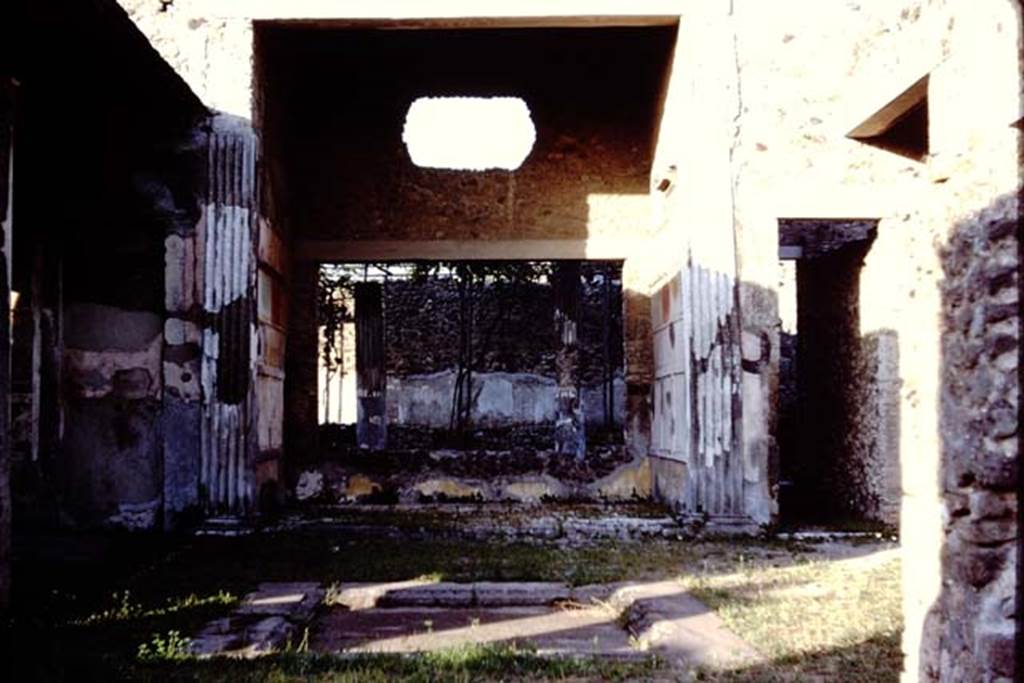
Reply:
x=358 y=596
x=358 y=486
x=518 y=594
x=995 y=470
x=442 y=594
x=268 y=635
x=310 y=485
x=214 y=644
x=977 y=566
x=632 y=480
x=294 y=601
x=995 y=651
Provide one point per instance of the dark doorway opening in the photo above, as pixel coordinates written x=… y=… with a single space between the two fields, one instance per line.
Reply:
x=835 y=453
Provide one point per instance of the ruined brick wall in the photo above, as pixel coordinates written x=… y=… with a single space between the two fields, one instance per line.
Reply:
x=514 y=346
x=422 y=328
x=975 y=615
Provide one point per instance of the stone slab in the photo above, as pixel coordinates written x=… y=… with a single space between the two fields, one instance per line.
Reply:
x=357 y=596
x=215 y=644
x=518 y=594
x=360 y=596
x=443 y=594
x=294 y=601
x=680 y=627
x=268 y=635
x=550 y=631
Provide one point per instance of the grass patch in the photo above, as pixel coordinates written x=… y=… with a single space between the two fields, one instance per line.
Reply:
x=471 y=663
x=838 y=619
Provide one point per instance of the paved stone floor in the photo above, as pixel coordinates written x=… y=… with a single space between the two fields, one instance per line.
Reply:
x=552 y=631
x=623 y=620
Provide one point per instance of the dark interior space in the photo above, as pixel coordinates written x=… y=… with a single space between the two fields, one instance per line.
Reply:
x=828 y=337
x=834 y=455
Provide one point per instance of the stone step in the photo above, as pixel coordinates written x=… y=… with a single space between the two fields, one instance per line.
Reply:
x=294 y=601
x=266 y=621
x=532 y=524
x=361 y=596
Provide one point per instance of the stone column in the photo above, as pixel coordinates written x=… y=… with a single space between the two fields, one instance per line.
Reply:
x=228 y=348
x=570 y=437
x=371 y=420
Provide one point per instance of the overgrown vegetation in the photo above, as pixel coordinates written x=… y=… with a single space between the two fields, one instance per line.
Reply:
x=169 y=647
x=126 y=614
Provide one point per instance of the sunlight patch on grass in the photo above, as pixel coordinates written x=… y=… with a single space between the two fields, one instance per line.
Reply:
x=825 y=618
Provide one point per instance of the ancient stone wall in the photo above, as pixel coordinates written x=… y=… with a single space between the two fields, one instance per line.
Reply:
x=422 y=327
x=974 y=617
x=513 y=326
